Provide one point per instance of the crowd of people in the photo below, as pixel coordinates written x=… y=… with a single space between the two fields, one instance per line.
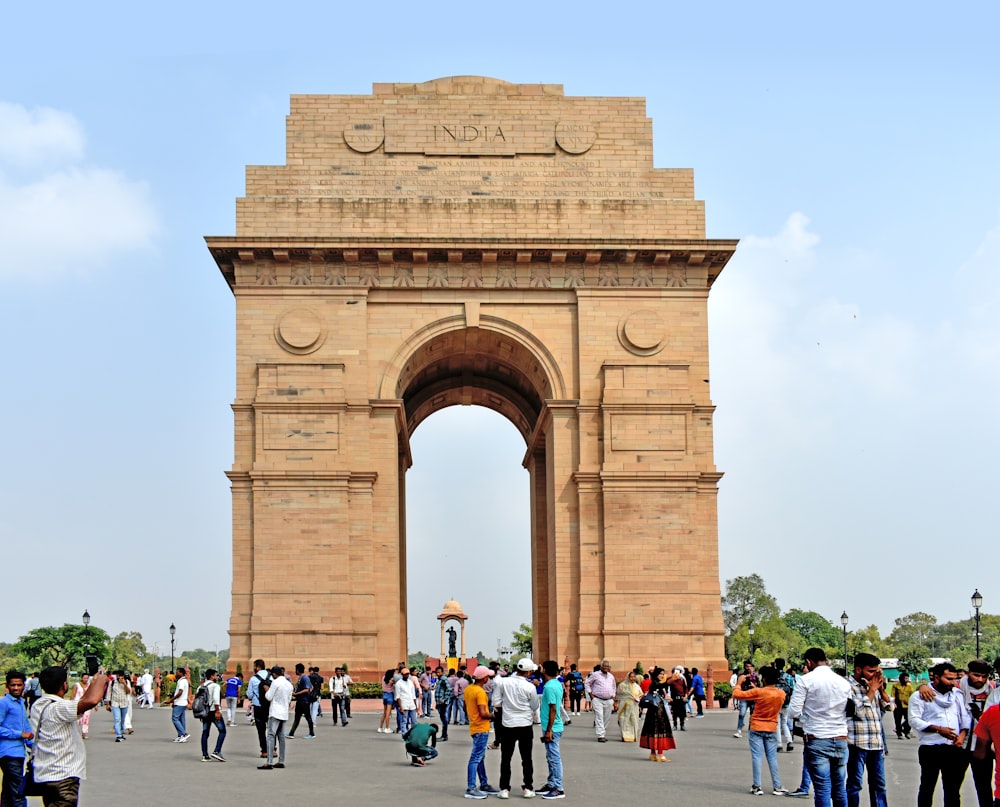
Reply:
x=955 y=717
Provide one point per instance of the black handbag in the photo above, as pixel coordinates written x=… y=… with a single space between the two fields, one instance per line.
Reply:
x=29 y=787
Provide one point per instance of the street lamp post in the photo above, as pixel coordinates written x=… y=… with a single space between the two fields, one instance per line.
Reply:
x=173 y=630
x=977 y=602
x=750 y=631
x=86 y=639
x=843 y=624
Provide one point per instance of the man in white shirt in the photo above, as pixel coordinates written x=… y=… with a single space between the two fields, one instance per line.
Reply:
x=279 y=696
x=179 y=705
x=517 y=699
x=820 y=699
x=339 y=695
x=60 y=758
x=405 y=691
x=942 y=726
x=146 y=685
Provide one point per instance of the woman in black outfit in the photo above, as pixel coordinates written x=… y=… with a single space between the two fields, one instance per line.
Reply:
x=656 y=734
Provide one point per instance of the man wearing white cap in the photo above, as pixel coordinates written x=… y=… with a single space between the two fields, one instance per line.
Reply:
x=518 y=701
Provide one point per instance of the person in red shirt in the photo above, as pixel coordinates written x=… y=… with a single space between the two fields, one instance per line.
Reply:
x=988 y=736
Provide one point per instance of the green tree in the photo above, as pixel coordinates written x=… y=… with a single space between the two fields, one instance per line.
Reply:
x=913 y=659
x=814 y=628
x=127 y=652
x=913 y=629
x=415 y=660
x=522 y=638
x=63 y=647
x=771 y=638
x=746 y=603
x=866 y=640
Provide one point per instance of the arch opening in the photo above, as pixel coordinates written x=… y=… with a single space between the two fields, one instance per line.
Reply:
x=467 y=522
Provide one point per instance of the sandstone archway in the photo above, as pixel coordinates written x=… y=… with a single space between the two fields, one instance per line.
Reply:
x=470 y=241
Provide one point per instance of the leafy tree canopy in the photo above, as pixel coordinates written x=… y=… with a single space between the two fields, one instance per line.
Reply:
x=814 y=628
x=522 y=639
x=746 y=603
x=64 y=647
x=913 y=629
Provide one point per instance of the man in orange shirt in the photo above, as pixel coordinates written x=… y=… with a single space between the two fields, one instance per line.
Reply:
x=767 y=700
x=478 y=710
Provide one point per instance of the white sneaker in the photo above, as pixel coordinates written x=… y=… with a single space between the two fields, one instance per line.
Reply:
x=503 y=794
x=738 y=734
x=528 y=793
x=185 y=738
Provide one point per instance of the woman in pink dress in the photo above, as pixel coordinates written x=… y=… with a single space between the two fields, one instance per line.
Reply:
x=78 y=690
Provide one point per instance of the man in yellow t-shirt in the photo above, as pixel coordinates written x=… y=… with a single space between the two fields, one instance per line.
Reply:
x=901 y=692
x=478 y=709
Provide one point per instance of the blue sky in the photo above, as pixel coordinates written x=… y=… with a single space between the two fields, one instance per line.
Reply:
x=855 y=337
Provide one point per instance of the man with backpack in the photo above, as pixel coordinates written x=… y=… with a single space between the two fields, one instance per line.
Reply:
x=574 y=681
x=786 y=684
x=260 y=681
x=208 y=708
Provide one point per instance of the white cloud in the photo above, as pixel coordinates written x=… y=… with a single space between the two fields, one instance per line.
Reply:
x=59 y=215
x=40 y=136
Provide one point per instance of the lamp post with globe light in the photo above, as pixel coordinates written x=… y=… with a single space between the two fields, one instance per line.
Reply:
x=977 y=603
x=173 y=630
x=843 y=624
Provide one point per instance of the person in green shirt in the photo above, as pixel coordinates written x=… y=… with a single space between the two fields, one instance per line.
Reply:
x=420 y=743
x=552 y=729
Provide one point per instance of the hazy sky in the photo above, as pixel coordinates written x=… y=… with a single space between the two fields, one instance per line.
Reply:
x=855 y=336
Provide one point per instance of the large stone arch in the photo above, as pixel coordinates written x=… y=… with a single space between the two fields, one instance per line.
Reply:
x=471 y=241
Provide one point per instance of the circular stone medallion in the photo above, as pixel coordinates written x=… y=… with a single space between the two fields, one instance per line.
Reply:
x=575 y=138
x=300 y=330
x=364 y=135
x=642 y=333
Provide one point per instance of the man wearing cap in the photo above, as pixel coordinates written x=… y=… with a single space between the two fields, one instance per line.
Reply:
x=517 y=701
x=478 y=710
x=279 y=695
x=407 y=701
x=601 y=687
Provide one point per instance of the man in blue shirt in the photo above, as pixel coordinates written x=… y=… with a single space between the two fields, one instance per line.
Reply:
x=15 y=734
x=233 y=686
x=550 y=715
x=698 y=690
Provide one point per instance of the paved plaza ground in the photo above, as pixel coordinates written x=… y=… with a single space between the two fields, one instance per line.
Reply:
x=360 y=766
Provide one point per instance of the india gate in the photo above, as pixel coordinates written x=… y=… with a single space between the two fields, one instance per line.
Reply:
x=468 y=241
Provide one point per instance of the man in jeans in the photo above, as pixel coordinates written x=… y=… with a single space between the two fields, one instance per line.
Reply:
x=767 y=700
x=214 y=718
x=550 y=716
x=820 y=699
x=478 y=709
x=865 y=737
x=179 y=705
x=15 y=734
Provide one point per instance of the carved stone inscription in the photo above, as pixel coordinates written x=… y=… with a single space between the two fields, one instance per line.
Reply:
x=471 y=134
x=521 y=178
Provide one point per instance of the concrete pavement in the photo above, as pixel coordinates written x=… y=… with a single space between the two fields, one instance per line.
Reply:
x=710 y=767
